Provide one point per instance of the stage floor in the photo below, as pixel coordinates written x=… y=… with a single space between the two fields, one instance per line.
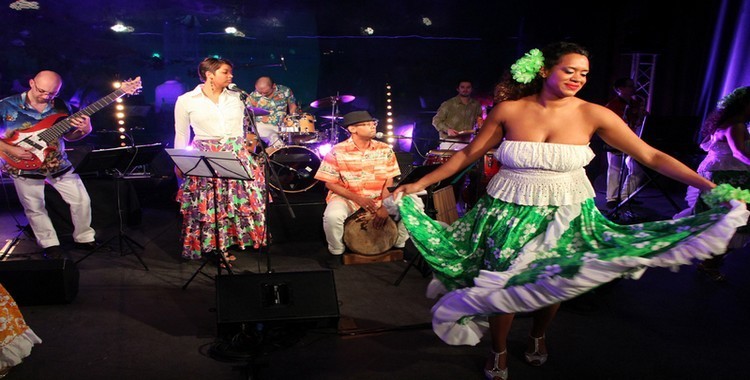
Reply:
x=126 y=322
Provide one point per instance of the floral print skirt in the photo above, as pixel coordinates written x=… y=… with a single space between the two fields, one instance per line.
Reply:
x=237 y=205
x=16 y=338
x=502 y=257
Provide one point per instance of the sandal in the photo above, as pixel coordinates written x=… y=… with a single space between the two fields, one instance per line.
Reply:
x=536 y=358
x=495 y=372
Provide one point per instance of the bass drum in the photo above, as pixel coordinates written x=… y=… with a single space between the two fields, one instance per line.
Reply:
x=296 y=167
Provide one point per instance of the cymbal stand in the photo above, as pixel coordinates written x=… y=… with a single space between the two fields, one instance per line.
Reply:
x=334 y=112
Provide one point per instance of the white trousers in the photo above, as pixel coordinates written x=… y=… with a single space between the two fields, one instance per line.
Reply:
x=634 y=176
x=31 y=195
x=337 y=210
x=269 y=133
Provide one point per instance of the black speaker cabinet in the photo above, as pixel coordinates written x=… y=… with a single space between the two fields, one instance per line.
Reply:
x=278 y=298
x=40 y=282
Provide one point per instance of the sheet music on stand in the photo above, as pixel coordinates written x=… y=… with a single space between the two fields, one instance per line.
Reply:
x=215 y=165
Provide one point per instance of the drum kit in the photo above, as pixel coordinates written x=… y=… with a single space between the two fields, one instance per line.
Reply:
x=303 y=146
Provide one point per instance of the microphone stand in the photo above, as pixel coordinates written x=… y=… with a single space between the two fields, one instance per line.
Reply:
x=267 y=167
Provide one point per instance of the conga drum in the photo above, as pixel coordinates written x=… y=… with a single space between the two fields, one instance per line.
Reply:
x=360 y=236
x=491 y=166
x=438 y=156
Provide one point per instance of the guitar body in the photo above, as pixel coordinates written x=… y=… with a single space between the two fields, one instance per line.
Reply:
x=31 y=140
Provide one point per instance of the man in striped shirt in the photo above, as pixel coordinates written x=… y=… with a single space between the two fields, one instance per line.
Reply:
x=357 y=172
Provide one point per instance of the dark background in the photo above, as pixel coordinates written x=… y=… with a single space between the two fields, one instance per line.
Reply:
x=325 y=52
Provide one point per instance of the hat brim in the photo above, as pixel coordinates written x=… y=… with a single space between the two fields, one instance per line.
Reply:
x=361 y=121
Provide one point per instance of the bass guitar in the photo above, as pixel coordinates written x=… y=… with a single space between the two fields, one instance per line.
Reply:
x=38 y=138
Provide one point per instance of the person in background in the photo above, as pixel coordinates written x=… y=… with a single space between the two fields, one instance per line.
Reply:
x=279 y=101
x=537 y=239
x=623 y=173
x=357 y=173
x=457 y=116
x=22 y=112
x=726 y=141
x=215 y=116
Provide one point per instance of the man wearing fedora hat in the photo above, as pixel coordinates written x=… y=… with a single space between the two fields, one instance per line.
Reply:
x=357 y=172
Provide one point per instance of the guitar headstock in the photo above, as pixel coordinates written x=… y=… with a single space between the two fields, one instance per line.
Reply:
x=131 y=86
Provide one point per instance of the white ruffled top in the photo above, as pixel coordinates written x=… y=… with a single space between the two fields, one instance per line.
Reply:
x=719 y=157
x=541 y=174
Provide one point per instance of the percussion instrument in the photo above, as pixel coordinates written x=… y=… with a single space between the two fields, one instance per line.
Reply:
x=332 y=100
x=491 y=166
x=298 y=123
x=360 y=236
x=296 y=167
x=438 y=156
x=255 y=111
x=463 y=137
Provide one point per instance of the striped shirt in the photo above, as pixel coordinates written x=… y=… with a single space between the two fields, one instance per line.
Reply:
x=363 y=172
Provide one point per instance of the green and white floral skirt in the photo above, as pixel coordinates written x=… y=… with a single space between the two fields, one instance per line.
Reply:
x=502 y=257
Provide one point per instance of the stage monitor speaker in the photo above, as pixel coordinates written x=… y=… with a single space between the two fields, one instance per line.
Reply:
x=40 y=282
x=291 y=297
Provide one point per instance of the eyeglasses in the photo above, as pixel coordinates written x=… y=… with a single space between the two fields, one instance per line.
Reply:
x=45 y=92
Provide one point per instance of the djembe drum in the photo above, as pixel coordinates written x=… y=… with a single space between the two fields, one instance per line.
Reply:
x=360 y=236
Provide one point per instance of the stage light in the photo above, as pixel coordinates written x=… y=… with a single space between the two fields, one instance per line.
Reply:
x=389 y=113
x=388 y=106
x=118 y=100
x=120 y=115
x=121 y=129
x=121 y=122
x=368 y=31
x=123 y=144
x=121 y=28
x=122 y=137
x=390 y=120
x=230 y=30
x=116 y=84
x=119 y=107
x=426 y=21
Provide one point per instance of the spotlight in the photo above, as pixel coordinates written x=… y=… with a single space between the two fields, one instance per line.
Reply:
x=120 y=115
x=230 y=30
x=119 y=107
x=368 y=31
x=116 y=84
x=122 y=28
x=426 y=21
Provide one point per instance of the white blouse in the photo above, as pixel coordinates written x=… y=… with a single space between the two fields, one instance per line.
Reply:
x=541 y=174
x=210 y=121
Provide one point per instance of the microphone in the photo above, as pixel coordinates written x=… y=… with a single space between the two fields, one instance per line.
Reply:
x=235 y=88
x=380 y=135
x=283 y=62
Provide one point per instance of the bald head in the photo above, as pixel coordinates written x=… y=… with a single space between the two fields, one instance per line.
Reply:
x=45 y=86
x=264 y=86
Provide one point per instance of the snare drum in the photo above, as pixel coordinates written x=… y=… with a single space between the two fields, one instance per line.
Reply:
x=438 y=156
x=363 y=238
x=296 y=167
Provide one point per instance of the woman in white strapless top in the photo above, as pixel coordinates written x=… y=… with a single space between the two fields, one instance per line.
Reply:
x=537 y=239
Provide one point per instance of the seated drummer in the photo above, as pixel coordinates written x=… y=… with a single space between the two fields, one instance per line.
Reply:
x=357 y=173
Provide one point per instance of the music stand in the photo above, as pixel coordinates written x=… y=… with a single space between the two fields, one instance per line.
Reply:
x=116 y=162
x=216 y=165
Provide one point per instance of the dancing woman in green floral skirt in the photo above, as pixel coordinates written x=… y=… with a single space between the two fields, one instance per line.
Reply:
x=536 y=239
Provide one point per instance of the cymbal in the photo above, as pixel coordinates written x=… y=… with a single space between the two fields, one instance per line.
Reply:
x=258 y=111
x=330 y=100
x=329 y=117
